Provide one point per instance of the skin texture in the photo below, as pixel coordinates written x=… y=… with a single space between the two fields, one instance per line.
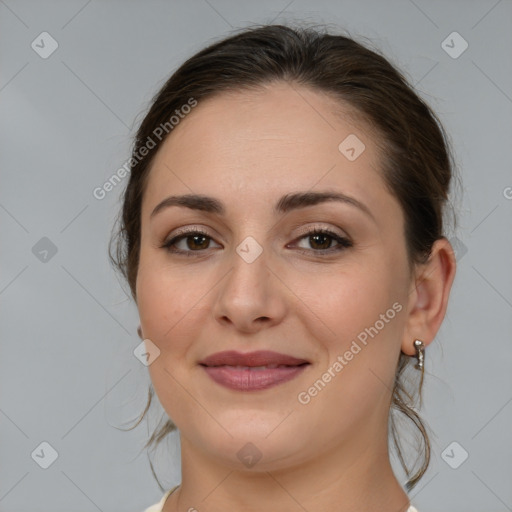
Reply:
x=247 y=149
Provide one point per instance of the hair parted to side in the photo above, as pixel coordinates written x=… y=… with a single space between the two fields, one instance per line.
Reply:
x=417 y=164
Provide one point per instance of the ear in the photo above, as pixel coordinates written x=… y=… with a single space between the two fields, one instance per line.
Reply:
x=428 y=296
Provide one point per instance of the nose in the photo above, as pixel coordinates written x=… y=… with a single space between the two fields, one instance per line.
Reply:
x=250 y=297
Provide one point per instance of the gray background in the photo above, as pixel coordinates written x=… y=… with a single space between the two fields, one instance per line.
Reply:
x=68 y=375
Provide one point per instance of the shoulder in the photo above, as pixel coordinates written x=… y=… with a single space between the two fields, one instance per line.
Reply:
x=157 y=507
x=154 y=508
x=412 y=509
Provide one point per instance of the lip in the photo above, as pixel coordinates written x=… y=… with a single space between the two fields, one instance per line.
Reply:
x=235 y=370
x=258 y=358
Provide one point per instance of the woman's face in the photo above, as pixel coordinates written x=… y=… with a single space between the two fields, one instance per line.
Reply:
x=256 y=279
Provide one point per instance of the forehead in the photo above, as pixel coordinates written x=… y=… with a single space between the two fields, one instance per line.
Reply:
x=269 y=140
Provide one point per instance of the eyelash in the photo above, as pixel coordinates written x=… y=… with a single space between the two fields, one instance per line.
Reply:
x=343 y=243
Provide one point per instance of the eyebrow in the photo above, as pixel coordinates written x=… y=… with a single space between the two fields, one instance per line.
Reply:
x=286 y=203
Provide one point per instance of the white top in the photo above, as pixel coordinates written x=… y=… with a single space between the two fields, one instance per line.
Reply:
x=157 y=507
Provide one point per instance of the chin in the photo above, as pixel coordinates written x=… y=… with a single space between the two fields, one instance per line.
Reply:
x=256 y=448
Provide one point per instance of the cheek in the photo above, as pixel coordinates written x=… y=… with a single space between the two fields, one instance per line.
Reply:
x=169 y=303
x=168 y=314
x=343 y=303
x=160 y=301
x=154 y=301
x=358 y=315
x=363 y=313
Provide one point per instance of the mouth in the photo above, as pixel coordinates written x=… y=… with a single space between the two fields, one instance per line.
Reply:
x=252 y=371
x=260 y=358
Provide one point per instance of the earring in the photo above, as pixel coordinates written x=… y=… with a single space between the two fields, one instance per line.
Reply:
x=139 y=332
x=420 y=354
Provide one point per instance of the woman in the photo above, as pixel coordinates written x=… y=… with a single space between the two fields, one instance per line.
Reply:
x=282 y=237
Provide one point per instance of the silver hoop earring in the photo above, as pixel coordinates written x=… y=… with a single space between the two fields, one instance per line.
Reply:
x=420 y=354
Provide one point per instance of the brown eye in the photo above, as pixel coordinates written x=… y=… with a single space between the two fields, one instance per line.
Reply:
x=187 y=243
x=195 y=242
x=321 y=241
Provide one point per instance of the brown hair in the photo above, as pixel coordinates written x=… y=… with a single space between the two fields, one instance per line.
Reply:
x=416 y=161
